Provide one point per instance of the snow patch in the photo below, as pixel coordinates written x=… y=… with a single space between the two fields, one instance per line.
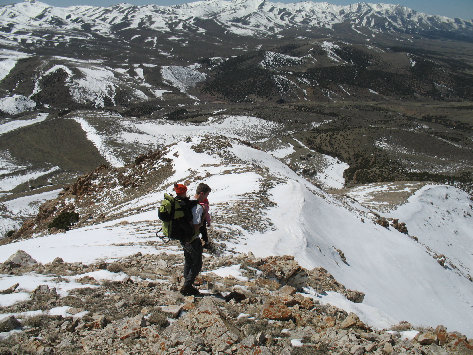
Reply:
x=275 y=60
x=96 y=86
x=329 y=48
x=229 y=271
x=282 y=152
x=6 y=66
x=10 y=182
x=182 y=78
x=99 y=143
x=16 y=104
x=29 y=205
x=13 y=125
x=332 y=174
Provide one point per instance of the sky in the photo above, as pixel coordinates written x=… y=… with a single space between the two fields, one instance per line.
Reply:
x=452 y=8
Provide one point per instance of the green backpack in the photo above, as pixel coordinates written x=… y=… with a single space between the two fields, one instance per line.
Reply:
x=176 y=215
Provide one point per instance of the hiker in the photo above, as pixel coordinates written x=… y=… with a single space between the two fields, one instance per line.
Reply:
x=193 y=248
x=205 y=223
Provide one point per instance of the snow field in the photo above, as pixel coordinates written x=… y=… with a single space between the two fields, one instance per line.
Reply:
x=441 y=217
x=164 y=132
x=6 y=66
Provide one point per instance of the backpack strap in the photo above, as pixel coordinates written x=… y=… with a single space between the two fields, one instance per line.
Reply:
x=173 y=209
x=192 y=204
x=186 y=207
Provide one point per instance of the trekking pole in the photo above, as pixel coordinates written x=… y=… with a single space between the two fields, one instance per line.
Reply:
x=162 y=237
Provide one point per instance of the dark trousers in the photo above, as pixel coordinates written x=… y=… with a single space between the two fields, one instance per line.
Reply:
x=203 y=232
x=192 y=261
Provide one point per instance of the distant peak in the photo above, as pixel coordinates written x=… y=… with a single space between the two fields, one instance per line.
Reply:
x=250 y=2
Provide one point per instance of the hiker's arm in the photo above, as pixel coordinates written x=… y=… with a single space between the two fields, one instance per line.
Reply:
x=197 y=217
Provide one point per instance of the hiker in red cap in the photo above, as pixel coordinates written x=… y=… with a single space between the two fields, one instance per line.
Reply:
x=181 y=190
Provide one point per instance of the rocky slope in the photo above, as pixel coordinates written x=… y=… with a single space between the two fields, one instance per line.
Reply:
x=138 y=309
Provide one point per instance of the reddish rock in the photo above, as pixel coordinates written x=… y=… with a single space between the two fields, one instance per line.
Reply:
x=304 y=302
x=460 y=342
x=330 y=321
x=276 y=310
x=99 y=323
x=442 y=335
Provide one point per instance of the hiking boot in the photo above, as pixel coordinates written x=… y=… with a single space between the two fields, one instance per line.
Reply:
x=189 y=291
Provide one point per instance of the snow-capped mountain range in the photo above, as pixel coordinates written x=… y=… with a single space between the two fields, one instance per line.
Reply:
x=241 y=17
x=86 y=56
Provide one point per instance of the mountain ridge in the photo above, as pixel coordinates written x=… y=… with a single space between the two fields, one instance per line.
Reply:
x=248 y=17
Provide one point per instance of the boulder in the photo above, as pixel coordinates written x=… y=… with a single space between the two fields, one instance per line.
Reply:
x=330 y=321
x=19 y=259
x=442 y=335
x=388 y=348
x=383 y=222
x=205 y=323
x=287 y=290
x=9 y=323
x=286 y=271
x=131 y=329
x=354 y=296
x=276 y=310
x=236 y=296
x=172 y=310
x=350 y=321
x=100 y=321
x=9 y=290
x=44 y=291
x=426 y=338
x=158 y=318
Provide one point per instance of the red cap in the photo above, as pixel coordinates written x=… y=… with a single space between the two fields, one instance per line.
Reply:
x=180 y=189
